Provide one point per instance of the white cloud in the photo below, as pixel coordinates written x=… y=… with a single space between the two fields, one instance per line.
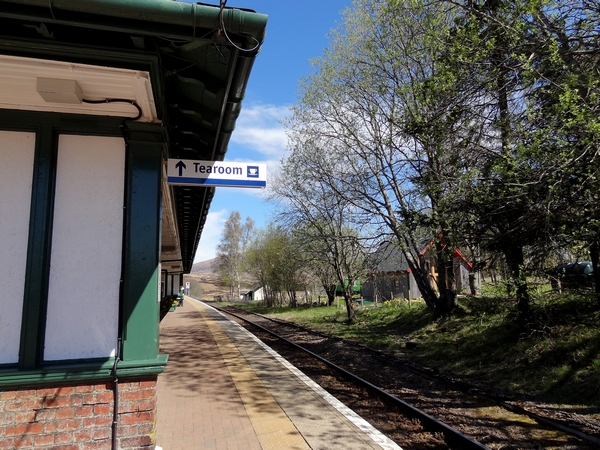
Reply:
x=211 y=235
x=260 y=128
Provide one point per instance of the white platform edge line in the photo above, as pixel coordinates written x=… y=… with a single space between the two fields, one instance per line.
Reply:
x=383 y=441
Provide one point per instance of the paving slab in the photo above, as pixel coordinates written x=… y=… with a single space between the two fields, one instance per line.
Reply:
x=224 y=389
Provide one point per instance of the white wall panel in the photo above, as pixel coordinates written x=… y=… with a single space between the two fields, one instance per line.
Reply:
x=83 y=298
x=16 y=173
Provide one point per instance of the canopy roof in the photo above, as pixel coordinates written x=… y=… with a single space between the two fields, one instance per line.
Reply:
x=199 y=58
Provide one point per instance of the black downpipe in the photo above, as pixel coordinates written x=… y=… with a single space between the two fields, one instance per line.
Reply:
x=115 y=421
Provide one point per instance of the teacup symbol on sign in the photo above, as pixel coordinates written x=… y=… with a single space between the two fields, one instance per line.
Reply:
x=252 y=172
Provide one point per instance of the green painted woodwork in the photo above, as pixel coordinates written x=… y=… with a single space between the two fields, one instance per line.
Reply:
x=198 y=82
x=81 y=371
x=159 y=17
x=173 y=41
x=139 y=304
x=38 y=251
x=141 y=309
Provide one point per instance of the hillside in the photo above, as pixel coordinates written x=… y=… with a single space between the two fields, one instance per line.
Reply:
x=206 y=283
x=207 y=267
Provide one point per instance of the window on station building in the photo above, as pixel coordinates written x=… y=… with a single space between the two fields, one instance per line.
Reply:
x=17 y=152
x=86 y=256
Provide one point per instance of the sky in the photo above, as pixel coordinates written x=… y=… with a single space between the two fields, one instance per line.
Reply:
x=297 y=32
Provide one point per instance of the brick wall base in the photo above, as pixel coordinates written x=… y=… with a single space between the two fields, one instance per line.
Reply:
x=78 y=417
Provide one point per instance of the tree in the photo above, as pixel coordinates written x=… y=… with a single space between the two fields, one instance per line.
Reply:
x=537 y=66
x=276 y=261
x=382 y=135
x=320 y=221
x=232 y=248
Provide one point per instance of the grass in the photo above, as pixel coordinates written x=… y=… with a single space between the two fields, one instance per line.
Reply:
x=559 y=361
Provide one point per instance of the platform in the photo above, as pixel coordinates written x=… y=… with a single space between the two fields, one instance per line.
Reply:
x=223 y=389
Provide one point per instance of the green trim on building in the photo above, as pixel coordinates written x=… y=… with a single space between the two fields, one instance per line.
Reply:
x=198 y=77
x=38 y=249
x=139 y=307
x=141 y=295
x=198 y=80
x=81 y=372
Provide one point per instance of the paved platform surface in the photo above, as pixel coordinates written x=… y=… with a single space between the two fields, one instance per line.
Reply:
x=223 y=389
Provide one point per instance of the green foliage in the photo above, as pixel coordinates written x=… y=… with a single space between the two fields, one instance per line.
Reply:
x=232 y=248
x=276 y=260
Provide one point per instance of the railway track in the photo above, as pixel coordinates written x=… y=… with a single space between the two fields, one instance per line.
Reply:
x=413 y=407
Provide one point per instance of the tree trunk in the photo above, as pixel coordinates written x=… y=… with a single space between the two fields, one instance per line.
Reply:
x=293 y=301
x=349 y=306
x=515 y=260
x=440 y=306
x=595 y=257
x=330 y=297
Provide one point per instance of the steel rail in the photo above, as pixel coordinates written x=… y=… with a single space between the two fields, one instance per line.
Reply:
x=452 y=437
x=498 y=401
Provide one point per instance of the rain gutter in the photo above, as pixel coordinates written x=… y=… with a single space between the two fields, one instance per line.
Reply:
x=146 y=13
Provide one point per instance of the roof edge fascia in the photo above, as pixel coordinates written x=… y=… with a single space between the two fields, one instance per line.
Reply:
x=242 y=22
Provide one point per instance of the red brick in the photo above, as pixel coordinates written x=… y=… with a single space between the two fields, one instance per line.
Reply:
x=135 y=442
x=99 y=445
x=20 y=430
x=6 y=443
x=62 y=447
x=8 y=395
x=127 y=430
x=82 y=435
x=92 y=399
x=98 y=421
x=15 y=430
x=63 y=425
x=44 y=439
x=65 y=390
x=25 y=417
x=7 y=418
x=103 y=387
x=23 y=405
x=101 y=433
x=138 y=395
x=46 y=392
x=145 y=428
x=130 y=395
x=58 y=402
x=63 y=438
x=29 y=393
x=84 y=389
x=24 y=442
x=84 y=411
x=45 y=415
x=148 y=384
x=130 y=386
x=102 y=408
x=147 y=405
x=65 y=413
x=128 y=407
x=138 y=417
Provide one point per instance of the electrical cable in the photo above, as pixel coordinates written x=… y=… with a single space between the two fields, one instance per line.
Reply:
x=222 y=5
x=118 y=100
x=51 y=11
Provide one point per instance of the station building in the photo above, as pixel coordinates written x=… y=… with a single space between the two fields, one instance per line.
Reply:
x=95 y=97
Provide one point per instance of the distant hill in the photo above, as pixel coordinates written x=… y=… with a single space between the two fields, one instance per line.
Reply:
x=205 y=267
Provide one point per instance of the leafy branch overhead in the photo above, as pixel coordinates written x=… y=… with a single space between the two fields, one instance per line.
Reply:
x=467 y=123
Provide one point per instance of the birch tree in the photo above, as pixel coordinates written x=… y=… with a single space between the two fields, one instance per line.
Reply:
x=232 y=248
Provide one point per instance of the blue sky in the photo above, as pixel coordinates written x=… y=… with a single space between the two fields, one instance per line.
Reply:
x=297 y=32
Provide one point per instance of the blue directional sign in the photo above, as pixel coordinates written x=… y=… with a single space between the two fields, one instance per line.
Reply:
x=216 y=173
